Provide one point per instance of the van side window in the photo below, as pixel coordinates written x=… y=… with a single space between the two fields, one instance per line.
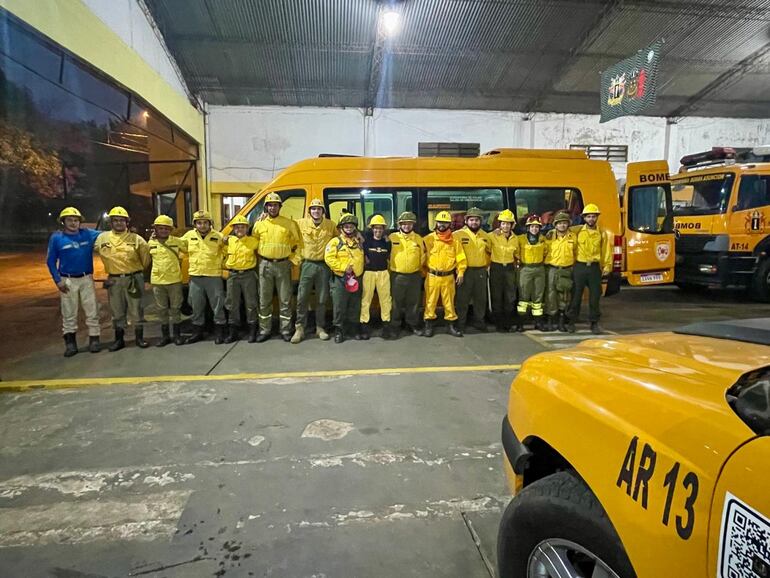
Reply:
x=647 y=210
x=754 y=191
x=365 y=203
x=546 y=203
x=293 y=205
x=458 y=201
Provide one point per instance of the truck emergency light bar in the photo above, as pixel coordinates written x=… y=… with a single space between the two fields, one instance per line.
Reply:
x=725 y=156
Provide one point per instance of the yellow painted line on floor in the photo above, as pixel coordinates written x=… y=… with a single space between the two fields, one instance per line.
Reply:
x=27 y=384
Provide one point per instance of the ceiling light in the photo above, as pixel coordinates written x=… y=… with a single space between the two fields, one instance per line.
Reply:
x=390 y=22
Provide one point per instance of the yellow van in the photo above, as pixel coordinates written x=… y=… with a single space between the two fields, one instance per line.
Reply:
x=527 y=181
x=722 y=217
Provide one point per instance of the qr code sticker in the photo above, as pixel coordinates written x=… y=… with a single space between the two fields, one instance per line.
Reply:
x=744 y=542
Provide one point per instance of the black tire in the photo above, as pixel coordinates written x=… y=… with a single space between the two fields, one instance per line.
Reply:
x=760 y=288
x=559 y=506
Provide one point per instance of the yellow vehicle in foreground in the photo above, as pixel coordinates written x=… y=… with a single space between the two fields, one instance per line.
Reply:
x=526 y=181
x=644 y=456
x=722 y=215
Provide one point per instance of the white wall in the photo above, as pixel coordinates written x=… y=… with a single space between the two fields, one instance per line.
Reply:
x=253 y=144
x=127 y=19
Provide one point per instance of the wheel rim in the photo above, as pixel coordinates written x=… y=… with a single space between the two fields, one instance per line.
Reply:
x=556 y=558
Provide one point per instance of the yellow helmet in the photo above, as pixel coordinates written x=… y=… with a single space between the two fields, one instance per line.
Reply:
x=164 y=220
x=118 y=212
x=316 y=203
x=533 y=220
x=202 y=216
x=506 y=216
x=70 y=212
x=591 y=209
x=378 y=220
x=239 y=220
x=273 y=198
x=444 y=217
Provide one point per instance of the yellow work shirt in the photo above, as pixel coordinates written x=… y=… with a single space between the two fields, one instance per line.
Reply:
x=241 y=255
x=475 y=245
x=561 y=250
x=315 y=237
x=441 y=256
x=166 y=260
x=407 y=252
x=504 y=250
x=206 y=253
x=593 y=247
x=341 y=252
x=532 y=254
x=122 y=253
x=279 y=238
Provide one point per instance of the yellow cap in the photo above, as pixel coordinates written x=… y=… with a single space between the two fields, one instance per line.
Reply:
x=239 y=220
x=378 y=220
x=202 y=216
x=70 y=212
x=273 y=198
x=591 y=209
x=163 y=220
x=118 y=212
x=506 y=216
x=444 y=217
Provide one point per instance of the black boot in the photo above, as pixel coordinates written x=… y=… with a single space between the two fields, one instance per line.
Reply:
x=417 y=331
x=219 y=334
x=118 y=344
x=548 y=323
x=359 y=332
x=197 y=335
x=454 y=330
x=480 y=326
x=165 y=336
x=139 y=337
x=232 y=334
x=428 y=328
x=363 y=332
x=595 y=329
x=176 y=332
x=339 y=335
x=93 y=344
x=394 y=331
x=70 y=344
x=500 y=326
x=562 y=318
x=253 y=328
x=262 y=337
x=386 y=331
x=571 y=325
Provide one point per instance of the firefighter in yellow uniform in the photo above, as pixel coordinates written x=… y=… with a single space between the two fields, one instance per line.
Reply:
x=476 y=246
x=407 y=258
x=446 y=264
x=314 y=274
x=376 y=275
x=280 y=246
x=593 y=259
x=241 y=265
x=532 y=252
x=125 y=256
x=562 y=244
x=503 y=277
x=345 y=257
x=166 y=278
x=207 y=252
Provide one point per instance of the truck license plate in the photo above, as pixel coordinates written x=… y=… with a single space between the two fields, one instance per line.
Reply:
x=651 y=278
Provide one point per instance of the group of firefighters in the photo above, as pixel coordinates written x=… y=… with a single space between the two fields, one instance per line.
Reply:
x=533 y=273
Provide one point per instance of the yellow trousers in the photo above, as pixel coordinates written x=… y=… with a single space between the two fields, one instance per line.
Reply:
x=443 y=287
x=376 y=281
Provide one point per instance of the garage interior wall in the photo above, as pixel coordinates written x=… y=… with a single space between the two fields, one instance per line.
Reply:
x=250 y=145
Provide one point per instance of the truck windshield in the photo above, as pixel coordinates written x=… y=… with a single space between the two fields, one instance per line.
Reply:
x=702 y=194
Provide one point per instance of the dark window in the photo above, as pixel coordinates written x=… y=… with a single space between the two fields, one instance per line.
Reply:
x=448 y=149
x=702 y=194
x=293 y=205
x=649 y=210
x=31 y=52
x=545 y=203
x=93 y=89
x=754 y=191
x=365 y=203
x=458 y=201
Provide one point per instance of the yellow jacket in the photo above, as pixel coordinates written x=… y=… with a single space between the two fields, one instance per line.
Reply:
x=593 y=246
x=206 y=253
x=166 y=260
x=504 y=251
x=475 y=245
x=532 y=254
x=279 y=238
x=241 y=254
x=341 y=252
x=561 y=250
x=441 y=256
x=407 y=253
x=315 y=238
x=122 y=253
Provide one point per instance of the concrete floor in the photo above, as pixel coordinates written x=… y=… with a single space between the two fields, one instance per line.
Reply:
x=358 y=472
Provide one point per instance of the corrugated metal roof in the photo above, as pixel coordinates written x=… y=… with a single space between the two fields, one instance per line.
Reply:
x=465 y=54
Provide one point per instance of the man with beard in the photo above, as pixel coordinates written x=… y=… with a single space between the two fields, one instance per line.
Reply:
x=561 y=257
x=474 y=287
x=407 y=257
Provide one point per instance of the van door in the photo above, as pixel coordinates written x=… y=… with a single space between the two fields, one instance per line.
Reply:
x=648 y=224
x=749 y=220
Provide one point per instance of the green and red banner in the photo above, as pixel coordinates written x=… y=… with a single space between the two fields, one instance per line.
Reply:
x=629 y=86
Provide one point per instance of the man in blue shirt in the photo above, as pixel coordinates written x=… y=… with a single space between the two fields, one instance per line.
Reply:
x=71 y=263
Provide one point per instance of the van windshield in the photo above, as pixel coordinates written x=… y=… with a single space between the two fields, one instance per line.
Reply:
x=702 y=194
